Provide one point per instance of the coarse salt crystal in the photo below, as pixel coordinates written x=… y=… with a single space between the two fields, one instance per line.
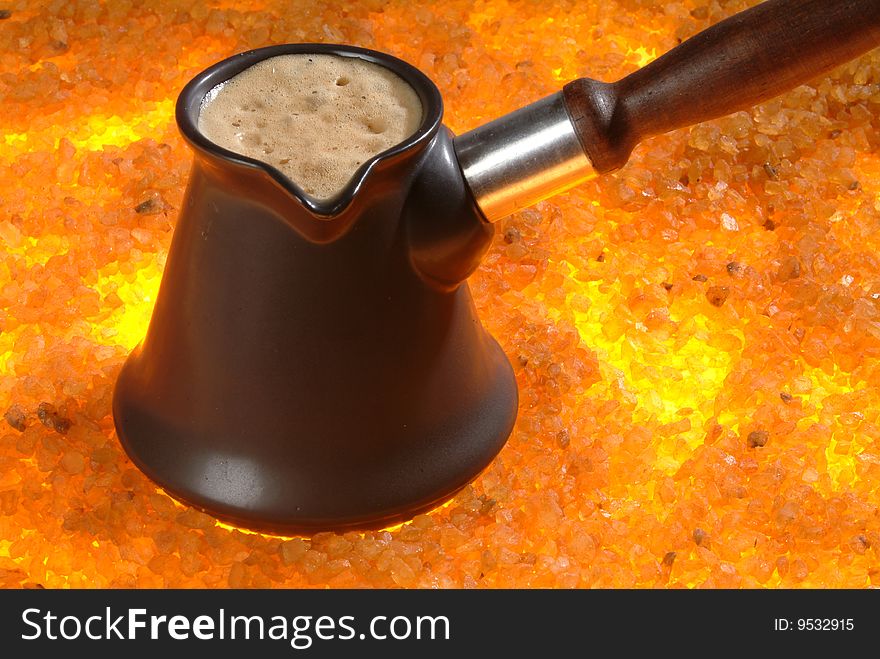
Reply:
x=729 y=222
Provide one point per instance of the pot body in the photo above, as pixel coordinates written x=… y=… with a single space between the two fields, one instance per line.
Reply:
x=316 y=365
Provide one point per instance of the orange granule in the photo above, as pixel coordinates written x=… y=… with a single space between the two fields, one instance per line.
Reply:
x=696 y=337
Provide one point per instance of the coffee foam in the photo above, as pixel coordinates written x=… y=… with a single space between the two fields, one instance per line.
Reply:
x=316 y=118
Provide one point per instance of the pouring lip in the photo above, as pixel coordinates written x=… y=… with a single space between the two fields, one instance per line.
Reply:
x=193 y=94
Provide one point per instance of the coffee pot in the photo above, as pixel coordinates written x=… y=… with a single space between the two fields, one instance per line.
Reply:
x=317 y=364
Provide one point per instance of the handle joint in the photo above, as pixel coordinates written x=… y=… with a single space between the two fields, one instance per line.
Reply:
x=599 y=122
x=523 y=157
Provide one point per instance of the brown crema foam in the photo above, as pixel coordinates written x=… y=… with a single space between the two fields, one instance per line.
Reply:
x=316 y=118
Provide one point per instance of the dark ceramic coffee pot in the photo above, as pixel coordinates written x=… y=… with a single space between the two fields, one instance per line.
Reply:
x=319 y=364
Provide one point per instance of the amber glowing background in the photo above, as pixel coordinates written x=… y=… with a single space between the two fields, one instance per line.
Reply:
x=696 y=338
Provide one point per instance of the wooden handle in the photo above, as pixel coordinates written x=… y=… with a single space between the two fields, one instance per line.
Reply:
x=733 y=65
